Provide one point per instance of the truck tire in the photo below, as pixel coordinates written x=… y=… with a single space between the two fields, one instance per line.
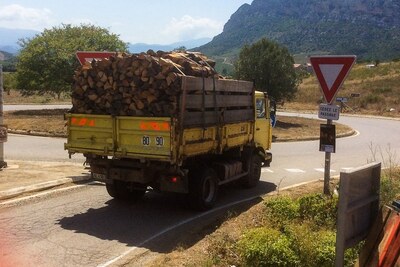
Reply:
x=203 y=189
x=125 y=191
x=254 y=164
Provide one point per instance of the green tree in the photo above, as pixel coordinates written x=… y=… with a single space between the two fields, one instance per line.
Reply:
x=270 y=66
x=9 y=81
x=46 y=63
x=180 y=49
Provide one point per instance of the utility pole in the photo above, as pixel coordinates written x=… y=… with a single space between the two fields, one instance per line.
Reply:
x=3 y=128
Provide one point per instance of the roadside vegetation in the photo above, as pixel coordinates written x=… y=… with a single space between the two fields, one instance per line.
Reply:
x=295 y=227
x=15 y=97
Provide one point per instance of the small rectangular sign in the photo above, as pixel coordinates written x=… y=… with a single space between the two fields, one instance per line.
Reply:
x=329 y=112
x=327 y=141
x=3 y=133
x=342 y=99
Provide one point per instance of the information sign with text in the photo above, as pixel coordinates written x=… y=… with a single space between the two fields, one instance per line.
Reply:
x=329 y=112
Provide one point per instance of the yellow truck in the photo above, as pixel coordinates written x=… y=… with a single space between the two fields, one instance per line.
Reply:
x=221 y=134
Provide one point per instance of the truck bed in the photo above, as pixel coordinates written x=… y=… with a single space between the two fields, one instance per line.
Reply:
x=121 y=137
x=150 y=138
x=214 y=115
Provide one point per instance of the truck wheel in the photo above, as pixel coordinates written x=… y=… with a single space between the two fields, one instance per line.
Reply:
x=254 y=164
x=203 y=188
x=125 y=190
x=111 y=190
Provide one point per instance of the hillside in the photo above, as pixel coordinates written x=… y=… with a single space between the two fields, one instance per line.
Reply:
x=9 y=38
x=5 y=55
x=142 y=47
x=8 y=61
x=377 y=90
x=368 y=28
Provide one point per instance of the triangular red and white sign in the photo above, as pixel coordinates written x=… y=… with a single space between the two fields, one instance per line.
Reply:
x=88 y=56
x=331 y=72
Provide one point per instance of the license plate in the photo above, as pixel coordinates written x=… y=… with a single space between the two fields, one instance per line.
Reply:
x=99 y=176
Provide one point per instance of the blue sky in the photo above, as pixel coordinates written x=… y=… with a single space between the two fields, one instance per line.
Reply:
x=136 y=21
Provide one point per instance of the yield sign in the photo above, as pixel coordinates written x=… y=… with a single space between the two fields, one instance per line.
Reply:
x=331 y=72
x=86 y=56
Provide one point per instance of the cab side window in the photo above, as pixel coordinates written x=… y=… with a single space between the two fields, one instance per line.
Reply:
x=260 y=108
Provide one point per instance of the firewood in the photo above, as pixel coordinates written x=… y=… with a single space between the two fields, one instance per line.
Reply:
x=145 y=84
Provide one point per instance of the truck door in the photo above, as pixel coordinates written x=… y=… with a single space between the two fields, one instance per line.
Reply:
x=263 y=132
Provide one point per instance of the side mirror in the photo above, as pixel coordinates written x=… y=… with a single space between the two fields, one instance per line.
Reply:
x=272 y=113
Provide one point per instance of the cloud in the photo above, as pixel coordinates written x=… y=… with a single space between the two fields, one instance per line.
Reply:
x=19 y=17
x=188 y=28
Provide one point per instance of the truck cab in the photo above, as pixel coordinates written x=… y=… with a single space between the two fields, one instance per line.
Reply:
x=263 y=127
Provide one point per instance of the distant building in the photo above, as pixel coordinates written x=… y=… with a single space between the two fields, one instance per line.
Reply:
x=306 y=67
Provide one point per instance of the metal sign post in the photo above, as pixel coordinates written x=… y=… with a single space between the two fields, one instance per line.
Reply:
x=331 y=72
x=328 y=151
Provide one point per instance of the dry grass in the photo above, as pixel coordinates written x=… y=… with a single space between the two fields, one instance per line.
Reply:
x=297 y=128
x=379 y=90
x=14 y=97
x=47 y=121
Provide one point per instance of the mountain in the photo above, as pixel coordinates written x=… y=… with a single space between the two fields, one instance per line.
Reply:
x=4 y=55
x=10 y=37
x=8 y=61
x=367 y=28
x=141 y=47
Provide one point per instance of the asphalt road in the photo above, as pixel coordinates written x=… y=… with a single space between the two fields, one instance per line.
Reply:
x=85 y=227
x=295 y=162
x=35 y=148
x=34 y=107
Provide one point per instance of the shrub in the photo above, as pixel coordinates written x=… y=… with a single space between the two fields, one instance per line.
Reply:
x=325 y=249
x=304 y=241
x=319 y=209
x=281 y=210
x=390 y=187
x=266 y=247
x=317 y=247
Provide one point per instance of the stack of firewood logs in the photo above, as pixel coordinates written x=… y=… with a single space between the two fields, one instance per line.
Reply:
x=145 y=84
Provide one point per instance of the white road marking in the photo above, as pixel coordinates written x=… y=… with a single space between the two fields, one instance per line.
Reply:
x=12 y=166
x=266 y=170
x=295 y=170
x=347 y=168
x=322 y=170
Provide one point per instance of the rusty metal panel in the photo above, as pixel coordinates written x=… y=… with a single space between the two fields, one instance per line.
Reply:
x=358 y=206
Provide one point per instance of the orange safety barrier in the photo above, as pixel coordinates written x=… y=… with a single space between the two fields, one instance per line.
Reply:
x=391 y=244
x=382 y=247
